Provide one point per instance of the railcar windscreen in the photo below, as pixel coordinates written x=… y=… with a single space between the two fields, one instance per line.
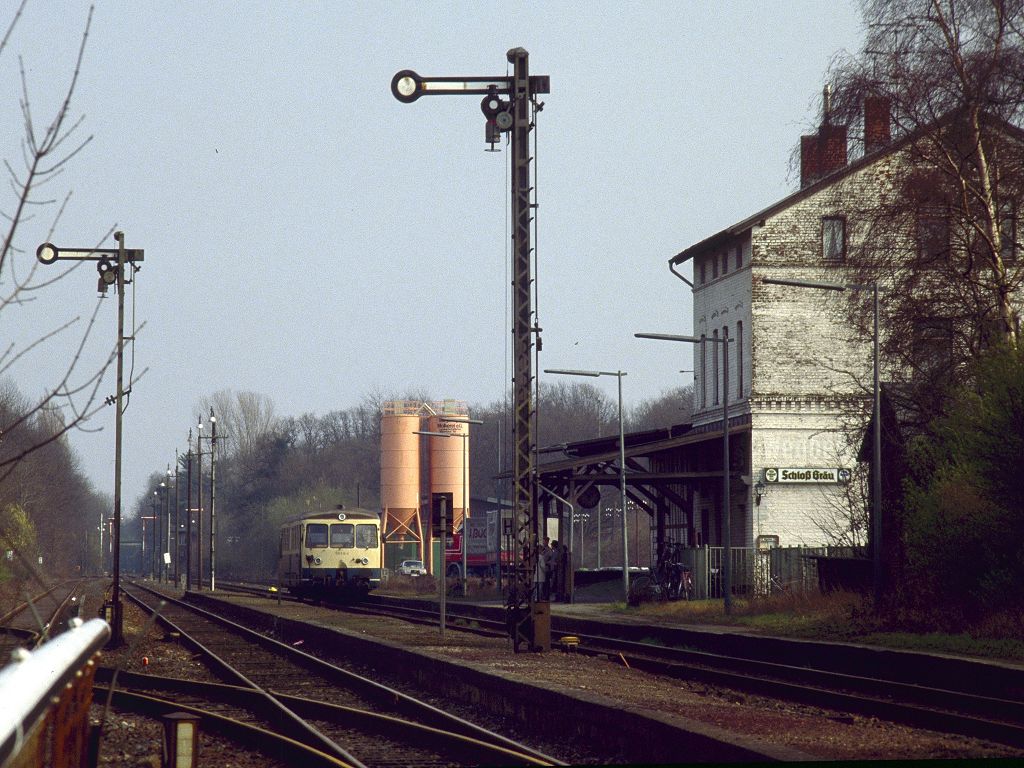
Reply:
x=316 y=535
x=366 y=536
x=341 y=535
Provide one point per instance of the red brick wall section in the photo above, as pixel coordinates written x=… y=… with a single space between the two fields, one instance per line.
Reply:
x=877 y=132
x=832 y=145
x=809 y=168
x=822 y=154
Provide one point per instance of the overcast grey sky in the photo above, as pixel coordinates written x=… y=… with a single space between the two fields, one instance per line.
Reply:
x=309 y=237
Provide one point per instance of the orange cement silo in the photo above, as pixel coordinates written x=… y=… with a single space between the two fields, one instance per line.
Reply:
x=400 y=476
x=449 y=456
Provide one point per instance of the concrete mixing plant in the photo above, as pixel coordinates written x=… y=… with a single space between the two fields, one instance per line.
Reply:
x=413 y=466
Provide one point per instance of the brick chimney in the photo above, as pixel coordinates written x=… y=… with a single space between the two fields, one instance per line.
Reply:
x=825 y=152
x=877 y=132
x=822 y=153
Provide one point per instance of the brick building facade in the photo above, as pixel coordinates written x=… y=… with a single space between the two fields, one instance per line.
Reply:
x=799 y=376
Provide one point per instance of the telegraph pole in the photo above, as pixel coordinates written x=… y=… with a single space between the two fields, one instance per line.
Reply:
x=509 y=106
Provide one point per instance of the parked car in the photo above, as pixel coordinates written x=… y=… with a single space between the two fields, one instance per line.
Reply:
x=412 y=568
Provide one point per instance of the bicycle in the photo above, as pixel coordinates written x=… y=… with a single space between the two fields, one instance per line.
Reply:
x=670 y=579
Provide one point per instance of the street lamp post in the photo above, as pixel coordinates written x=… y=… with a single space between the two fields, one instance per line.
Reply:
x=177 y=521
x=156 y=529
x=465 y=491
x=188 y=515
x=199 y=507
x=876 y=418
x=160 y=530
x=166 y=553
x=726 y=522
x=213 y=499
x=622 y=466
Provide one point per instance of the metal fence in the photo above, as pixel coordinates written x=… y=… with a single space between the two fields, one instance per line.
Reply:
x=759 y=572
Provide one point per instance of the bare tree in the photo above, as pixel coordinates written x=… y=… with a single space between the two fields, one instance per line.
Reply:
x=243 y=418
x=47 y=147
x=38 y=471
x=941 y=234
x=674 y=406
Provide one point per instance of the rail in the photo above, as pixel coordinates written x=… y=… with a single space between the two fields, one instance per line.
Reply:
x=46 y=695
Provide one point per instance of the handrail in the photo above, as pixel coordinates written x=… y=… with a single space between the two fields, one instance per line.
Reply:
x=29 y=684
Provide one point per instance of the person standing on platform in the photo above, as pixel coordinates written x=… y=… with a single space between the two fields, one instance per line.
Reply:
x=541 y=578
x=554 y=577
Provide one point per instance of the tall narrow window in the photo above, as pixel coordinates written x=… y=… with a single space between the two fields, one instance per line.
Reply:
x=703 y=373
x=725 y=358
x=739 y=360
x=833 y=238
x=933 y=347
x=714 y=365
x=739 y=256
x=703 y=271
x=1008 y=233
x=932 y=236
x=714 y=267
x=725 y=262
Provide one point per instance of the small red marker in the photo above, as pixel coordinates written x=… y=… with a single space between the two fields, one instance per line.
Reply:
x=145 y=661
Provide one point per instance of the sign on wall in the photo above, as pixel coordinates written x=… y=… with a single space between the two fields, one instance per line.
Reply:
x=806 y=475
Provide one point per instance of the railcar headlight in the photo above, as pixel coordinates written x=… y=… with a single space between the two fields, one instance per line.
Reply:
x=316 y=561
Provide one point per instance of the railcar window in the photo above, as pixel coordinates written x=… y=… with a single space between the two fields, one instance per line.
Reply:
x=366 y=536
x=316 y=535
x=341 y=535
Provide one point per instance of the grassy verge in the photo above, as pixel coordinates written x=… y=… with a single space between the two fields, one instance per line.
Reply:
x=841 y=617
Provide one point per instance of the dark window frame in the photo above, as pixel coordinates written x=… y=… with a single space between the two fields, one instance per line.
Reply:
x=826 y=254
x=739 y=359
x=1008 y=214
x=714 y=364
x=933 y=235
x=703 y=372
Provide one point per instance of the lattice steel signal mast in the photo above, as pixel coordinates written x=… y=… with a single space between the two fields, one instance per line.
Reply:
x=507 y=106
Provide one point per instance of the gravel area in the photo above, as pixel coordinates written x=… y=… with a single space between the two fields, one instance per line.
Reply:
x=821 y=734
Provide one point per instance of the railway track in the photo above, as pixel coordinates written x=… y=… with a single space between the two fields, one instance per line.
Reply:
x=970 y=708
x=38 y=618
x=364 y=724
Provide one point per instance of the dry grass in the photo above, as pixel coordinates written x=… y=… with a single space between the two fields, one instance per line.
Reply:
x=840 y=616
